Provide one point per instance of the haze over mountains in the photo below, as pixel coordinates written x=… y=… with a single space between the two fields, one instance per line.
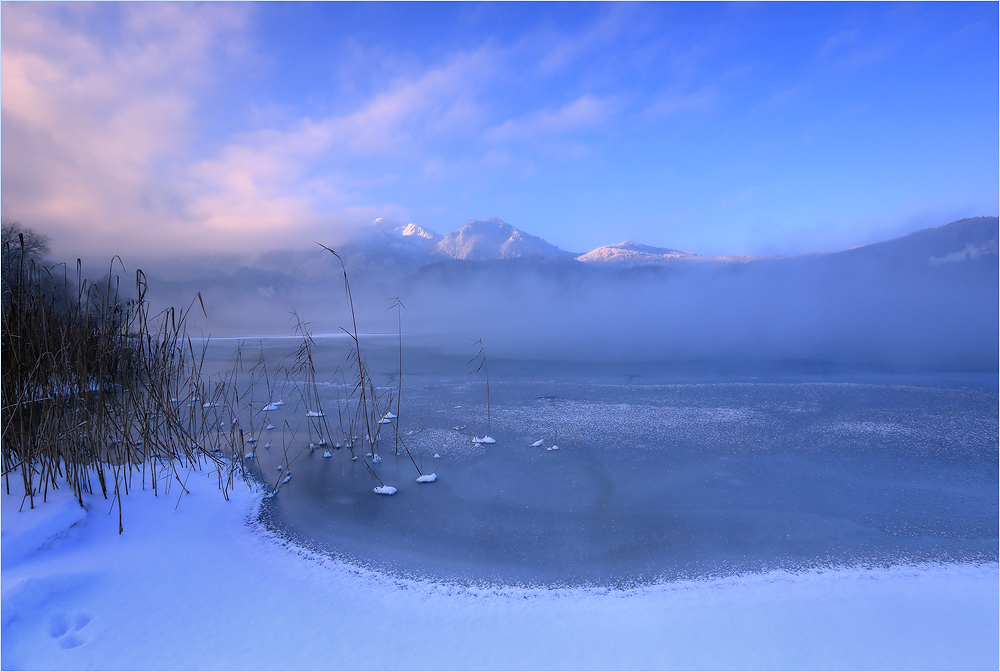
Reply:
x=929 y=299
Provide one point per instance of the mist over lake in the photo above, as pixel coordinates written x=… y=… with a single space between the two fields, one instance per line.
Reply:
x=686 y=417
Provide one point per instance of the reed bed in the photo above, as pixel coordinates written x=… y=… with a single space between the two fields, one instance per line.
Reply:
x=102 y=395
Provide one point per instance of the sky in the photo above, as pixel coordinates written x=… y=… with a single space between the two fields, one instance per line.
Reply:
x=157 y=128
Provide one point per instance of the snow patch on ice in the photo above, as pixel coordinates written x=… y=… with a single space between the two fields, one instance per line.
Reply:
x=385 y=490
x=427 y=478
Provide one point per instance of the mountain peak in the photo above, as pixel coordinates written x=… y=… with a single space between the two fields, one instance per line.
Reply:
x=633 y=253
x=417 y=232
x=494 y=239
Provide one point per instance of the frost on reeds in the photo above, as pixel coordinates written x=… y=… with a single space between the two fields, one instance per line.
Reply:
x=96 y=389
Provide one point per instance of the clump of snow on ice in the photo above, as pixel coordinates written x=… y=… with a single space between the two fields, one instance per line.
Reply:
x=385 y=490
x=315 y=414
x=552 y=448
x=427 y=478
x=538 y=443
x=485 y=439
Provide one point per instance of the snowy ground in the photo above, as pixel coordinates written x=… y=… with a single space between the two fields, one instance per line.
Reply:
x=195 y=584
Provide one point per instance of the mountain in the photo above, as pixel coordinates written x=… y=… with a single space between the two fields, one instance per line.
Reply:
x=633 y=253
x=969 y=242
x=407 y=238
x=494 y=239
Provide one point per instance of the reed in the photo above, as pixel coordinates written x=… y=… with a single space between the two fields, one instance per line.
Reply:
x=368 y=413
x=479 y=360
x=95 y=389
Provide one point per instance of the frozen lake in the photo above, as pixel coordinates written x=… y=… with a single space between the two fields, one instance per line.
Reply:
x=661 y=473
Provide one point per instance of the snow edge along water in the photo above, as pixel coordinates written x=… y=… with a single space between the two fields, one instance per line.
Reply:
x=70 y=585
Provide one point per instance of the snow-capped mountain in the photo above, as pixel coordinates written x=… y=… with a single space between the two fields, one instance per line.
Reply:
x=633 y=253
x=494 y=239
x=418 y=233
x=408 y=237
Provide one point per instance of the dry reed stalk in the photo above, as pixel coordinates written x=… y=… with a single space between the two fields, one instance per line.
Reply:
x=89 y=384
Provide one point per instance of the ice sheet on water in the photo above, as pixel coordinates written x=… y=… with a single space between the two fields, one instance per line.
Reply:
x=444 y=442
x=674 y=468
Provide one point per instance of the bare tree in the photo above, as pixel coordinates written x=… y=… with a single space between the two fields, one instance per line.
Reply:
x=17 y=239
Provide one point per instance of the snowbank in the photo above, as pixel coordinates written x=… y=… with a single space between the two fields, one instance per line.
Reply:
x=196 y=584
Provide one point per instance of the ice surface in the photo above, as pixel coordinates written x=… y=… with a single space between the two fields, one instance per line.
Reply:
x=669 y=481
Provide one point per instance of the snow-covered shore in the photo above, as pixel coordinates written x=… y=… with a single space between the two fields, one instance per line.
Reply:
x=198 y=585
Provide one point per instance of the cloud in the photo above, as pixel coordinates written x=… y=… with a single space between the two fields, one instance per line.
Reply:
x=102 y=150
x=676 y=103
x=582 y=114
x=95 y=126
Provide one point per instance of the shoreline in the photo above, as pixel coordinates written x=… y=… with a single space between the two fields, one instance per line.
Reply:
x=198 y=583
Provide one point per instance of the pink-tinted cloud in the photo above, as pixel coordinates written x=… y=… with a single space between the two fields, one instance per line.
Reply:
x=95 y=131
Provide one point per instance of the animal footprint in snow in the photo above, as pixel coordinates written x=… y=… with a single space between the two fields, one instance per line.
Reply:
x=67 y=630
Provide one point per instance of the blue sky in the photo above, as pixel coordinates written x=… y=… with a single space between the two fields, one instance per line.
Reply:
x=713 y=128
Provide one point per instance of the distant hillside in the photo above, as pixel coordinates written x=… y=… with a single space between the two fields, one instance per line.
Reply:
x=967 y=240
